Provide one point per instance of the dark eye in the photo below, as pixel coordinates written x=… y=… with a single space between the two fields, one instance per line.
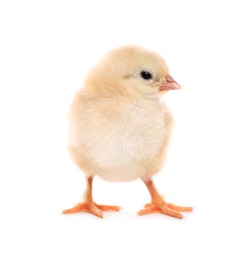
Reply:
x=146 y=75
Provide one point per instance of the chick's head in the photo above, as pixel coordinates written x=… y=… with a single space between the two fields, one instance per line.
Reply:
x=133 y=71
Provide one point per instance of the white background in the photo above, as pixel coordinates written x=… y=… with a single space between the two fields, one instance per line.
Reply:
x=46 y=49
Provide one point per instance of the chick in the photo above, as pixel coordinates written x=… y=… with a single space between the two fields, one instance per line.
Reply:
x=119 y=128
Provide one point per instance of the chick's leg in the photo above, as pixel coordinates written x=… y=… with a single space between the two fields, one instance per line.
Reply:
x=158 y=205
x=89 y=205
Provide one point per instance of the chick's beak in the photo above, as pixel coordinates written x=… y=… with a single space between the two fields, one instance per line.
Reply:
x=169 y=84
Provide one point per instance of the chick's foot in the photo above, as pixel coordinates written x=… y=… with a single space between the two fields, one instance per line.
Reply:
x=94 y=209
x=158 y=205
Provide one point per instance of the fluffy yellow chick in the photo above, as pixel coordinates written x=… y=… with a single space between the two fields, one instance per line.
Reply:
x=119 y=128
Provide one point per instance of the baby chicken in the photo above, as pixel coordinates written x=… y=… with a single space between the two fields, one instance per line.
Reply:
x=119 y=128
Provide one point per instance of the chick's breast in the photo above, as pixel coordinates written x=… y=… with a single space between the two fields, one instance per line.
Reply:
x=119 y=139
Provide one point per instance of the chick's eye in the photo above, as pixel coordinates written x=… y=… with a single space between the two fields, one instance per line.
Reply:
x=146 y=75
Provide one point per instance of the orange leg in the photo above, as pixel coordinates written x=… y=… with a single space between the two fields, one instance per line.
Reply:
x=89 y=205
x=158 y=205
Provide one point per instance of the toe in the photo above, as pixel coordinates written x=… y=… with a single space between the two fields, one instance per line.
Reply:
x=107 y=207
x=178 y=208
x=78 y=208
x=95 y=211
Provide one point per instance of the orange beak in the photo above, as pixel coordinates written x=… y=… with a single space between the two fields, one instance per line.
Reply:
x=169 y=84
